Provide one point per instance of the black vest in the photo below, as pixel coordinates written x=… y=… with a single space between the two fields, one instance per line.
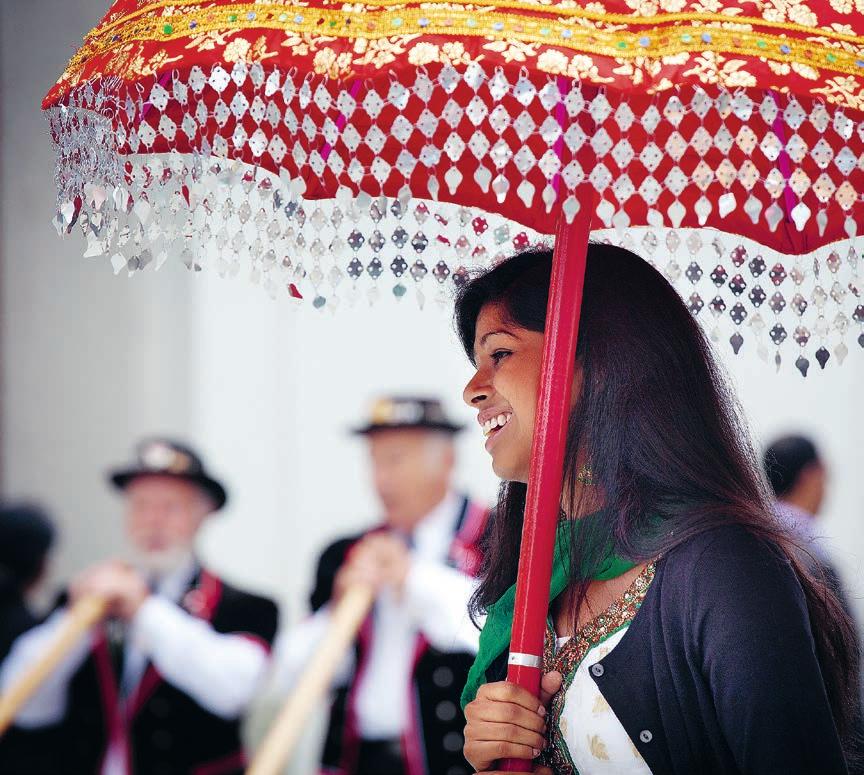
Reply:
x=432 y=743
x=168 y=732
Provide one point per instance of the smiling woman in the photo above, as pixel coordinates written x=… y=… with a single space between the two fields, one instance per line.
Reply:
x=514 y=355
x=686 y=628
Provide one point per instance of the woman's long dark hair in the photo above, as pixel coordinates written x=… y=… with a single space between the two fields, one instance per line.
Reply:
x=662 y=434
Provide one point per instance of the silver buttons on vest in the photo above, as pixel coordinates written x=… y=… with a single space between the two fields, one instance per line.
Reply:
x=453 y=741
x=442 y=677
x=597 y=670
x=445 y=710
x=645 y=736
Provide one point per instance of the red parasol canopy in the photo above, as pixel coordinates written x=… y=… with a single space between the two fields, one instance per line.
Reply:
x=332 y=149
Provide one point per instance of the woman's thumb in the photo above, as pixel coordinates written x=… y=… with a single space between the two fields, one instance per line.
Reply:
x=549 y=685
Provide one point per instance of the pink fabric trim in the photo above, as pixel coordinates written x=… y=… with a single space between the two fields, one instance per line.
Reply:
x=413 y=746
x=115 y=726
x=464 y=550
x=475 y=522
x=351 y=733
x=229 y=763
x=211 y=589
x=144 y=691
x=256 y=639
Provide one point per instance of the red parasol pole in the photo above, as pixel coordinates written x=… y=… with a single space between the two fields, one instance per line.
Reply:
x=543 y=502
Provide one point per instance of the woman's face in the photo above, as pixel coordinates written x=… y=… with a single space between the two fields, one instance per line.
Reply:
x=504 y=390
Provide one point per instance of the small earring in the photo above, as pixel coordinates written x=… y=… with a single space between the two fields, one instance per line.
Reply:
x=585 y=476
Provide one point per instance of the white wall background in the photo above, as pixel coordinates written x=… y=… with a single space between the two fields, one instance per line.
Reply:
x=266 y=389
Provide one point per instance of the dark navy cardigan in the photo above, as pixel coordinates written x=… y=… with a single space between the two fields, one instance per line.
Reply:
x=717 y=673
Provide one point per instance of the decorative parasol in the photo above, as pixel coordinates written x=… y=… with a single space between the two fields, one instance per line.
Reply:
x=336 y=151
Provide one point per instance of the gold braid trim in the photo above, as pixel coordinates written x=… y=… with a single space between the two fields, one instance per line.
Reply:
x=515 y=5
x=492 y=25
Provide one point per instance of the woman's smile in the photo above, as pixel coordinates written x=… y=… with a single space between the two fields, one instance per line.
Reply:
x=493 y=423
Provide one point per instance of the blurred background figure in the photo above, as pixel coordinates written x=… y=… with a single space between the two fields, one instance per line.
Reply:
x=26 y=537
x=161 y=685
x=396 y=705
x=799 y=478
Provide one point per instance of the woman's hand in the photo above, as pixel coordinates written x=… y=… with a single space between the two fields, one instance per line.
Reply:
x=506 y=722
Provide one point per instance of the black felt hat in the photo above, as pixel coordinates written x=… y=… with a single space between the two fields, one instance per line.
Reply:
x=163 y=457
x=403 y=413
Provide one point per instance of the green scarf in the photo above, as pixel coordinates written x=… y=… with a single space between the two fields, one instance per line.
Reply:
x=495 y=637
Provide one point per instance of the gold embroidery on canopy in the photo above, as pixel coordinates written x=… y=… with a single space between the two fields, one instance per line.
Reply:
x=576 y=30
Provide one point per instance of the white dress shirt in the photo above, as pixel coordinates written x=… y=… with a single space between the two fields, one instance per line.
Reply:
x=434 y=602
x=221 y=672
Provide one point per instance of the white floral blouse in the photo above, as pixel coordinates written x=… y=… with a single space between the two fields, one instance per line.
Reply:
x=586 y=737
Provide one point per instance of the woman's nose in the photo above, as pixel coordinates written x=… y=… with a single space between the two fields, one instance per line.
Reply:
x=476 y=391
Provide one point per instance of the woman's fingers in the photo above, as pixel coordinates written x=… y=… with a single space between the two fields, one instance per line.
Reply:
x=504 y=691
x=503 y=701
x=490 y=711
x=488 y=741
x=487 y=732
x=483 y=754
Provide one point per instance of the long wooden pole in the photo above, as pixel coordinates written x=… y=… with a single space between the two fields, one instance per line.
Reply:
x=543 y=500
x=80 y=618
x=348 y=616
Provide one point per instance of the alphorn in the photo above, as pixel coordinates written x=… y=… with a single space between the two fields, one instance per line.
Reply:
x=80 y=618
x=348 y=616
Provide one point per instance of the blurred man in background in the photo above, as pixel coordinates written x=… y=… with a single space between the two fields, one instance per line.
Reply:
x=396 y=705
x=799 y=479
x=26 y=537
x=160 y=686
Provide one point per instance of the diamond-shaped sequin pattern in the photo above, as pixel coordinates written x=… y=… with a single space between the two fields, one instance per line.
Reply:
x=322 y=188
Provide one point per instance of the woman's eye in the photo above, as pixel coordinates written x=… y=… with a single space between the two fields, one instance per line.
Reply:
x=498 y=355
